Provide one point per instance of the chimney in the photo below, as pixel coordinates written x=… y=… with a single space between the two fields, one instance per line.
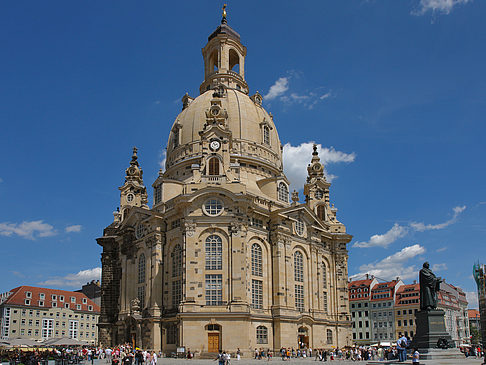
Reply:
x=415 y=282
x=367 y=276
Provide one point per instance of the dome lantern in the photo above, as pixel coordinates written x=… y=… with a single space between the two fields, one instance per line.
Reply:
x=224 y=59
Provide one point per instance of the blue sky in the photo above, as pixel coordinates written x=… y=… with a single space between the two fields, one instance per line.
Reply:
x=393 y=91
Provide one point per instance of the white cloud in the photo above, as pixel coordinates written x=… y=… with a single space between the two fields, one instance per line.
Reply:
x=1 y=180
x=278 y=88
x=394 y=266
x=472 y=299
x=442 y=249
x=419 y=226
x=74 y=280
x=73 y=228
x=384 y=240
x=163 y=159
x=296 y=159
x=439 y=267
x=438 y=6
x=30 y=230
x=308 y=99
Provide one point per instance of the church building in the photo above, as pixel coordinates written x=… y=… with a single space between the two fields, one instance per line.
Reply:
x=222 y=258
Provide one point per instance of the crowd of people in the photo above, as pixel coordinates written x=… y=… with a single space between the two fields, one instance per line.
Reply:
x=127 y=355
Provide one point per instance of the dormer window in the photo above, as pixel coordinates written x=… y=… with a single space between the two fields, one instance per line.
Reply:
x=175 y=138
x=28 y=294
x=266 y=135
x=213 y=166
x=53 y=297
x=73 y=299
x=85 y=301
x=42 y=296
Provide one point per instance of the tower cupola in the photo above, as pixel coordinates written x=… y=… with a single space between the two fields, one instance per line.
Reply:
x=224 y=59
x=133 y=192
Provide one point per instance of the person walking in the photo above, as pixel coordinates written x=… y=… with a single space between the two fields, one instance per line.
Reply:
x=415 y=357
x=402 y=344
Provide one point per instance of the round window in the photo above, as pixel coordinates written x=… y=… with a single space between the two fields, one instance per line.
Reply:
x=130 y=197
x=299 y=227
x=213 y=207
x=140 y=231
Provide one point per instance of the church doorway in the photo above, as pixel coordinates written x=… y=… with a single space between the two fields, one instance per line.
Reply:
x=303 y=338
x=213 y=342
x=213 y=337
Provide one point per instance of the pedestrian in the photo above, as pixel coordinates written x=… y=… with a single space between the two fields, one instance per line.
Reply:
x=415 y=357
x=238 y=354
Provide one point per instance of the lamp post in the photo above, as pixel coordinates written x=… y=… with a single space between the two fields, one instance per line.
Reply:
x=479 y=272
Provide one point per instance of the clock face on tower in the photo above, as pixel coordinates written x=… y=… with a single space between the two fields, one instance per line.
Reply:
x=214 y=145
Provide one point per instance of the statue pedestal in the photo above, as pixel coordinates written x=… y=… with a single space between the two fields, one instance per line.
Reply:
x=430 y=326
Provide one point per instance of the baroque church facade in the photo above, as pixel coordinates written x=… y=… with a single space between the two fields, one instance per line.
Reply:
x=223 y=259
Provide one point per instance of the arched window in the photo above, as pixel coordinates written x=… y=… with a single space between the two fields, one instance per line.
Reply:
x=214 y=253
x=299 y=281
x=262 y=334
x=213 y=166
x=213 y=61
x=175 y=138
x=321 y=212
x=256 y=260
x=324 y=275
x=283 y=192
x=234 y=61
x=177 y=261
x=141 y=269
x=329 y=337
x=266 y=135
x=141 y=295
x=298 y=267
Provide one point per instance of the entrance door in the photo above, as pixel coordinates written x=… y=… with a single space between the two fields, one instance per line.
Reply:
x=213 y=342
x=303 y=341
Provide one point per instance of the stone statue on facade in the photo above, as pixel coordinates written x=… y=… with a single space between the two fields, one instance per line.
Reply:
x=429 y=286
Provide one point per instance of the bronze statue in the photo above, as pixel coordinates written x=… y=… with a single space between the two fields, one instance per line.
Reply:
x=429 y=286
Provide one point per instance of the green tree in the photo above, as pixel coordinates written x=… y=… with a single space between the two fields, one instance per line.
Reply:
x=475 y=336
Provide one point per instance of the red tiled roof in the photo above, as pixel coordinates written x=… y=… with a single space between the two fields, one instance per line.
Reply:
x=18 y=297
x=360 y=283
x=473 y=313
x=415 y=287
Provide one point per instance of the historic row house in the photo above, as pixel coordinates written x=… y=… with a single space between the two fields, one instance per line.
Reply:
x=223 y=258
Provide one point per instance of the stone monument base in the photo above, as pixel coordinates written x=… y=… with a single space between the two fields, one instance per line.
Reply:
x=430 y=327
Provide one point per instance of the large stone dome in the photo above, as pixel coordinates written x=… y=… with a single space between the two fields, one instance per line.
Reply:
x=253 y=133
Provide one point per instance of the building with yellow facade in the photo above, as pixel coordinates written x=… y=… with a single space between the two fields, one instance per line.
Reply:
x=223 y=259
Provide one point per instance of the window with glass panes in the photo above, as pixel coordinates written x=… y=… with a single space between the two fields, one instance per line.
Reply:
x=266 y=135
x=141 y=269
x=283 y=192
x=256 y=260
x=298 y=267
x=158 y=194
x=214 y=289
x=261 y=334
x=213 y=207
x=329 y=337
x=214 y=253
x=324 y=298
x=141 y=295
x=177 y=261
x=73 y=329
x=47 y=327
x=257 y=294
x=299 y=297
x=176 y=293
